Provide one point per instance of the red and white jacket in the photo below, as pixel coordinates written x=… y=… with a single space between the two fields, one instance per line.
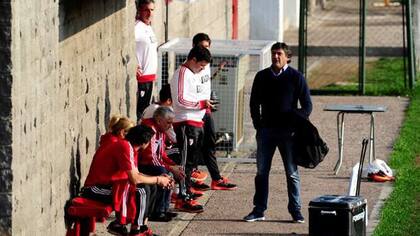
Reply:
x=155 y=153
x=187 y=92
x=146 y=51
x=205 y=77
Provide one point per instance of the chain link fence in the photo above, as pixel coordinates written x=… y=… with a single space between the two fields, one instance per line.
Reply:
x=333 y=40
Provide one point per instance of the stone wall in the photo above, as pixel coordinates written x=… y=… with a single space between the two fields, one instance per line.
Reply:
x=73 y=67
x=6 y=175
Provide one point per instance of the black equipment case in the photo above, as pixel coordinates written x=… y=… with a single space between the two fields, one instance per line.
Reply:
x=338 y=215
x=335 y=215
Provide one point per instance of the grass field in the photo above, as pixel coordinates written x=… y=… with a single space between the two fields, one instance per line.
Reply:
x=383 y=77
x=401 y=213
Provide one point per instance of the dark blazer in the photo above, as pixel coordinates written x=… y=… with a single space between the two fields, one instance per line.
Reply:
x=309 y=149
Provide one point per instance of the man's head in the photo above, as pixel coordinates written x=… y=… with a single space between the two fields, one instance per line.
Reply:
x=165 y=97
x=145 y=10
x=139 y=136
x=280 y=55
x=163 y=117
x=198 y=58
x=201 y=39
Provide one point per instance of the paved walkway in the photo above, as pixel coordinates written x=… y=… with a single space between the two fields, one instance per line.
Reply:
x=224 y=209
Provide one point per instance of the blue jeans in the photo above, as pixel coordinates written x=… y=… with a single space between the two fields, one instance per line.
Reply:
x=267 y=141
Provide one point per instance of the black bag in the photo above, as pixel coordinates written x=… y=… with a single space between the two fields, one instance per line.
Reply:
x=310 y=149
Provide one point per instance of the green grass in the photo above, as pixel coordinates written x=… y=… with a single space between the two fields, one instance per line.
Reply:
x=401 y=212
x=384 y=76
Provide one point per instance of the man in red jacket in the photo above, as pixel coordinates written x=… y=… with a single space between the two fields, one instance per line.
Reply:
x=113 y=172
x=154 y=161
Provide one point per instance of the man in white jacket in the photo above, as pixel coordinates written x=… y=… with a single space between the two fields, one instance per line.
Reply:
x=186 y=89
x=146 y=53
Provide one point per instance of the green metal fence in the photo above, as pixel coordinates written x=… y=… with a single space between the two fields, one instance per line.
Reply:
x=340 y=41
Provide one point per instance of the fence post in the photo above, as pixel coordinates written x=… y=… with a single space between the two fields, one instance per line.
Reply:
x=362 y=48
x=302 y=37
x=410 y=46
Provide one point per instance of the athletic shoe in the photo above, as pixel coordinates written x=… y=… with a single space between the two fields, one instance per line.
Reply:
x=254 y=216
x=116 y=228
x=188 y=206
x=200 y=185
x=198 y=175
x=160 y=217
x=297 y=217
x=137 y=232
x=222 y=184
x=171 y=214
x=196 y=192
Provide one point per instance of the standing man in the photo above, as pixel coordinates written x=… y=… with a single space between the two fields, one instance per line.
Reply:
x=189 y=108
x=208 y=149
x=274 y=100
x=146 y=52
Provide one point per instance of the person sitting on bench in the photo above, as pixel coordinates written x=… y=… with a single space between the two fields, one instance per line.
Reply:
x=113 y=176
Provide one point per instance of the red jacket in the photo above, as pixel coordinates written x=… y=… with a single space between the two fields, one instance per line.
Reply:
x=155 y=153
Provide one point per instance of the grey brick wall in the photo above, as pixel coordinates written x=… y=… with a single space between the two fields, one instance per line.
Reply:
x=6 y=175
x=416 y=26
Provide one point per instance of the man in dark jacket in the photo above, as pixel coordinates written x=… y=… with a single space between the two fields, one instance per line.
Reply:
x=274 y=99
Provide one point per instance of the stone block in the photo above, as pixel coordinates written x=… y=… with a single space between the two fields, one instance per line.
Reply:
x=6 y=105
x=5 y=131
x=5 y=156
x=6 y=179
x=5 y=226
x=5 y=205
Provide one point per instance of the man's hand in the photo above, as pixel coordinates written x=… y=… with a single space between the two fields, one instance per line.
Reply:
x=165 y=181
x=139 y=71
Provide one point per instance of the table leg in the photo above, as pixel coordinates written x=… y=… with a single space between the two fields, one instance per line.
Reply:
x=372 y=153
x=340 y=134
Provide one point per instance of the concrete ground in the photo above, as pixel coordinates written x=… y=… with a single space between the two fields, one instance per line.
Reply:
x=224 y=210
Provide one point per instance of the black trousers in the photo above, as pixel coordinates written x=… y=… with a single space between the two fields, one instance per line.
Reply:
x=143 y=195
x=160 y=202
x=208 y=150
x=144 y=94
x=189 y=141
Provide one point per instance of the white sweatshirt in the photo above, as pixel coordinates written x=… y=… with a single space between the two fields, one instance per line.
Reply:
x=187 y=92
x=146 y=51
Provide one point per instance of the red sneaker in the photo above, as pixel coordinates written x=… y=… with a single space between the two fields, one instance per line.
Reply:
x=196 y=192
x=198 y=175
x=222 y=184
x=136 y=232
x=200 y=185
x=188 y=206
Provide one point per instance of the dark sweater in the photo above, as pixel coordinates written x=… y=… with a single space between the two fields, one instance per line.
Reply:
x=275 y=98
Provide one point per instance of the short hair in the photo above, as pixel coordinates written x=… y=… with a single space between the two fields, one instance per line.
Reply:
x=165 y=93
x=286 y=49
x=199 y=38
x=200 y=54
x=143 y=2
x=163 y=112
x=139 y=134
x=118 y=123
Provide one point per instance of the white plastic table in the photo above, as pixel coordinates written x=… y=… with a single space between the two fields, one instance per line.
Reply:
x=360 y=109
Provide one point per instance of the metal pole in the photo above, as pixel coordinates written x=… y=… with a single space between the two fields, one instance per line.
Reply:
x=404 y=46
x=166 y=20
x=410 y=47
x=302 y=36
x=362 y=49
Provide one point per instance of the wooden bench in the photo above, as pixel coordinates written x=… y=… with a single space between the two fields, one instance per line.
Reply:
x=84 y=214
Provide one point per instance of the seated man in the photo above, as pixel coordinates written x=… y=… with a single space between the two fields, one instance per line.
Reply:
x=113 y=172
x=154 y=161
